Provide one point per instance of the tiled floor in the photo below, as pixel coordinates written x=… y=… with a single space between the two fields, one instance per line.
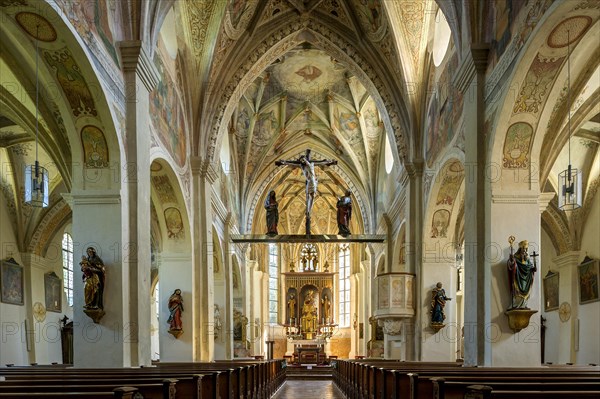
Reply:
x=309 y=389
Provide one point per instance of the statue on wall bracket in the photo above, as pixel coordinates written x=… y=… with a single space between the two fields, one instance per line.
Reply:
x=175 y=311
x=521 y=270
x=94 y=275
x=438 y=302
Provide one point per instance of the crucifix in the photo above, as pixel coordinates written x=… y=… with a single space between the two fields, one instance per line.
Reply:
x=308 y=168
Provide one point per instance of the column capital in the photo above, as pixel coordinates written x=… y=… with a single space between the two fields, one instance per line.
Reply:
x=480 y=53
x=544 y=201
x=475 y=61
x=204 y=168
x=414 y=168
x=516 y=197
x=90 y=197
x=568 y=259
x=135 y=59
x=35 y=261
x=68 y=197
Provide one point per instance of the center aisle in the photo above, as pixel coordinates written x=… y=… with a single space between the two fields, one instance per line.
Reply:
x=313 y=389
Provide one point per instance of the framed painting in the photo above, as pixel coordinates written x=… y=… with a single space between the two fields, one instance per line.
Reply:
x=588 y=272
x=551 y=291
x=11 y=282
x=53 y=292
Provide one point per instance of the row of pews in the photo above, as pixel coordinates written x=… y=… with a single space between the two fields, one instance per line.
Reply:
x=382 y=379
x=215 y=380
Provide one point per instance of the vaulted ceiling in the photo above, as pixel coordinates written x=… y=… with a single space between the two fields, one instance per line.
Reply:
x=329 y=75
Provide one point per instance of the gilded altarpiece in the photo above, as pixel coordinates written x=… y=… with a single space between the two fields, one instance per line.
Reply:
x=309 y=315
x=310 y=301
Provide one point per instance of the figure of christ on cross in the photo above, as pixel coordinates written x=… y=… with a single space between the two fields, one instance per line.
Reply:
x=308 y=168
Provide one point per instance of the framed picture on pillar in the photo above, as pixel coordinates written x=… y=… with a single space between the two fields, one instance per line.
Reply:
x=53 y=292
x=11 y=282
x=587 y=273
x=551 y=291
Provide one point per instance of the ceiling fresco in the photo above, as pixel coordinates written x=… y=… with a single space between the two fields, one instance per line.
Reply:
x=307 y=99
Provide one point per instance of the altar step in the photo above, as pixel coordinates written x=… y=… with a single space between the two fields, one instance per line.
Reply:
x=308 y=372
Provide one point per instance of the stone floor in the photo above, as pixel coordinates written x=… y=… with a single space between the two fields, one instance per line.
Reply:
x=313 y=389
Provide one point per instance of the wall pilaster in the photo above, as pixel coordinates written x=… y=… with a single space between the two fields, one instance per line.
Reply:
x=414 y=249
x=470 y=80
x=140 y=77
x=567 y=292
x=203 y=176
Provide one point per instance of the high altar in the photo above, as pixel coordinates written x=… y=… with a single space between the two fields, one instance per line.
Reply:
x=309 y=314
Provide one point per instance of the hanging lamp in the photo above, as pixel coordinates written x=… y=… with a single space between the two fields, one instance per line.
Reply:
x=36 y=176
x=569 y=180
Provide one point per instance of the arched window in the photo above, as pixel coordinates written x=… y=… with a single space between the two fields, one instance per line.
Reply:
x=389 y=155
x=441 y=38
x=309 y=257
x=273 y=282
x=67 y=253
x=344 y=273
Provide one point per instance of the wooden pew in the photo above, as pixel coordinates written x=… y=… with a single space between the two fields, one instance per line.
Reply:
x=193 y=387
x=222 y=380
x=382 y=379
x=443 y=389
x=119 y=393
x=487 y=392
x=164 y=390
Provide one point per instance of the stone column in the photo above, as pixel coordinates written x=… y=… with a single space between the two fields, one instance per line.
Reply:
x=413 y=183
x=367 y=289
x=33 y=271
x=254 y=308
x=140 y=78
x=203 y=176
x=358 y=295
x=228 y=311
x=394 y=339
x=470 y=80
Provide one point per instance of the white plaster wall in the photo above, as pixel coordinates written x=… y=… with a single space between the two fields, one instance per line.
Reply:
x=220 y=350
x=101 y=344
x=48 y=343
x=552 y=319
x=519 y=217
x=589 y=321
x=12 y=337
x=438 y=346
x=155 y=329
x=175 y=272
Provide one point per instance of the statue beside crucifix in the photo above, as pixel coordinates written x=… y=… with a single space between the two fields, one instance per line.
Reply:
x=308 y=168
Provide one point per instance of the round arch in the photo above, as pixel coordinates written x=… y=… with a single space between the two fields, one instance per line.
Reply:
x=169 y=214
